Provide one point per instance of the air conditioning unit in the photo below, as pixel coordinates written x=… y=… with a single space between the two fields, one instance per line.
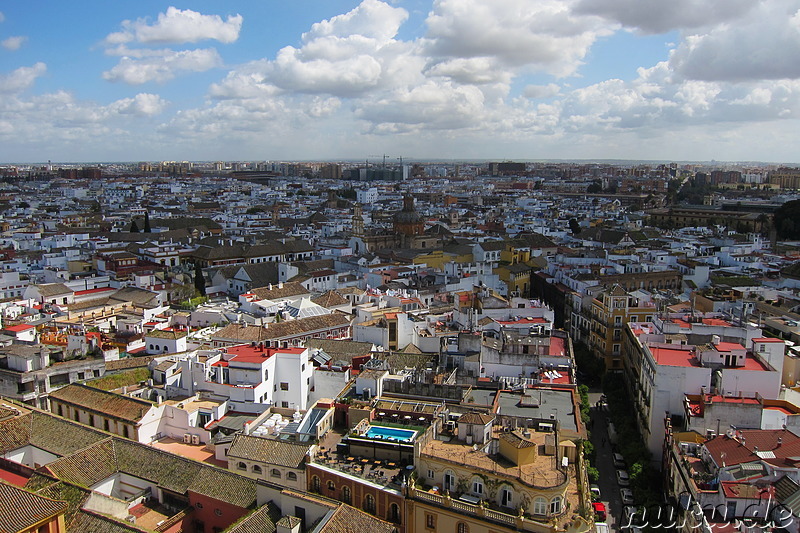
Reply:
x=195 y=439
x=187 y=438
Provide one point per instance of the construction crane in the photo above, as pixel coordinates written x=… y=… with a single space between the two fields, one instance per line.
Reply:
x=384 y=158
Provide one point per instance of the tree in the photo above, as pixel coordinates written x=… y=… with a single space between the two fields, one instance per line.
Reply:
x=574 y=226
x=595 y=187
x=787 y=220
x=199 y=280
x=147 y=222
x=134 y=227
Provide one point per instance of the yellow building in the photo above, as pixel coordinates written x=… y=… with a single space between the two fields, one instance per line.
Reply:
x=611 y=309
x=528 y=482
x=517 y=278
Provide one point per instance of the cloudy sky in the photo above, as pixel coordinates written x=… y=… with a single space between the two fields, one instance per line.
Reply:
x=459 y=79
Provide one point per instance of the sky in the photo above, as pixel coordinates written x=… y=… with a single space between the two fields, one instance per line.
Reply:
x=684 y=80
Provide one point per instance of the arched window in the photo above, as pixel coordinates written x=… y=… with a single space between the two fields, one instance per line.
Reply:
x=241 y=466
x=257 y=469
x=539 y=506
x=315 y=484
x=275 y=473
x=394 y=513
x=555 y=505
x=266 y=374
x=477 y=486
x=291 y=476
x=346 y=495
x=331 y=485
x=462 y=527
x=369 y=503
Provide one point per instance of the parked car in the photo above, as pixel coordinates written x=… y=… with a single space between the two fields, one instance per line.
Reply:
x=623 y=478
x=627 y=496
x=595 y=491
x=599 y=511
x=619 y=461
x=630 y=517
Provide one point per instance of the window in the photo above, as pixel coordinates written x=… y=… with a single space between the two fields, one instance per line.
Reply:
x=394 y=513
x=266 y=374
x=430 y=521
x=218 y=512
x=555 y=505
x=257 y=469
x=369 y=503
x=241 y=466
x=125 y=432
x=285 y=405
x=477 y=486
x=61 y=409
x=462 y=527
x=284 y=385
x=449 y=481
x=346 y=494
x=315 y=484
x=291 y=476
x=275 y=473
x=617 y=320
x=430 y=475
x=198 y=505
x=331 y=485
x=539 y=506
x=106 y=424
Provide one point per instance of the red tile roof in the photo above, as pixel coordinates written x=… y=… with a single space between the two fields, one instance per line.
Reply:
x=674 y=357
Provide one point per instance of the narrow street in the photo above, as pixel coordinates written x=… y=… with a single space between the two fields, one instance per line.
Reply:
x=609 y=489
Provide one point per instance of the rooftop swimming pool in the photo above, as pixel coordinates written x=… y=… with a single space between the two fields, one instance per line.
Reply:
x=390 y=434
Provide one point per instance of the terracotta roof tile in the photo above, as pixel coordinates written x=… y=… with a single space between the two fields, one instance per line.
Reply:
x=268 y=451
x=20 y=509
x=105 y=402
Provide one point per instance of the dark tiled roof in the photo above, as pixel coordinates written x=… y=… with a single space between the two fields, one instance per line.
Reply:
x=289 y=289
x=20 y=509
x=100 y=401
x=88 y=466
x=129 y=362
x=280 y=330
x=516 y=441
x=475 y=418
x=53 y=289
x=169 y=335
x=262 y=520
x=270 y=451
x=47 y=432
x=348 y=519
x=89 y=522
x=341 y=348
x=330 y=299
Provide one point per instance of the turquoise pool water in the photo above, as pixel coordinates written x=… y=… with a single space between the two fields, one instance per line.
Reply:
x=391 y=434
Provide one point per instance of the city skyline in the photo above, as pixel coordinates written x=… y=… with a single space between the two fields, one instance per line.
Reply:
x=697 y=80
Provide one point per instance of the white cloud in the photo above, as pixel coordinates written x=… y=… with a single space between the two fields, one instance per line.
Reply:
x=348 y=55
x=14 y=42
x=763 y=47
x=541 y=91
x=143 y=104
x=431 y=106
x=21 y=78
x=164 y=66
x=372 y=19
x=323 y=107
x=473 y=70
x=658 y=16
x=2 y=17
x=179 y=26
x=544 y=35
